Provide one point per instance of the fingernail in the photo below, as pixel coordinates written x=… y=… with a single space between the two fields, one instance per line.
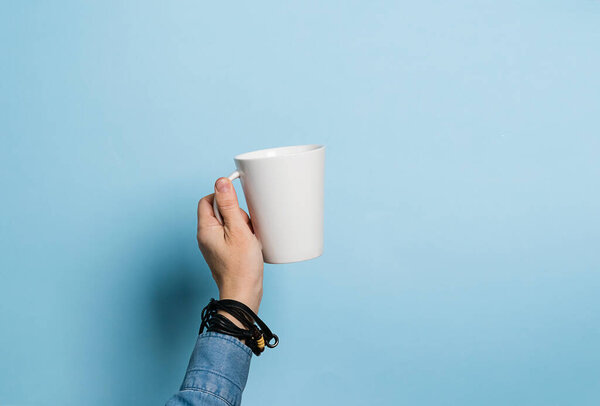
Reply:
x=223 y=185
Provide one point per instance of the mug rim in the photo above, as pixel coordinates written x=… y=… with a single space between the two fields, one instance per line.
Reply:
x=294 y=150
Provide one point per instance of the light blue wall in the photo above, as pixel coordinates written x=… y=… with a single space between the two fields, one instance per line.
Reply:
x=462 y=261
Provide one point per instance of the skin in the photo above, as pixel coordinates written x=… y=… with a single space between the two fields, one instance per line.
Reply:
x=231 y=250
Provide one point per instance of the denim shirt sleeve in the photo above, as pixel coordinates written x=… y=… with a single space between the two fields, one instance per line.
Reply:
x=217 y=372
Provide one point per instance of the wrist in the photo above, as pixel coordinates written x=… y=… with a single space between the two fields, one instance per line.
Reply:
x=251 y=297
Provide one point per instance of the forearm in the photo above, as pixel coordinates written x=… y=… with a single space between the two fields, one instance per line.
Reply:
x=216 y=374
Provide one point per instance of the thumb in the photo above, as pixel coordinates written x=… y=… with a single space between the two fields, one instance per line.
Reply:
x=228 y=203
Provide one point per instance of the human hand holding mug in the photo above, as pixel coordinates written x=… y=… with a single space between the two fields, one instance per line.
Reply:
x=284 y=191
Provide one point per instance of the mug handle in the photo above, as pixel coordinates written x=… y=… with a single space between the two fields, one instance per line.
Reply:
x=234 y=175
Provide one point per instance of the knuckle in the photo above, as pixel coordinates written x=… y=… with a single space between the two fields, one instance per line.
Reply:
x=203 y=199
x=239 y=235
x=203 y=235
x=201 y=222
x=228 y=204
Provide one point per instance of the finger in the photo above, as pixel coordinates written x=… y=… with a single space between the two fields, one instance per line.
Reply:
x=206 y=215
x=246 y=219
x=228 y=204
x=244 y=216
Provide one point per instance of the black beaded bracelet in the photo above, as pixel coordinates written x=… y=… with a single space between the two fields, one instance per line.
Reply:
x=256 y=335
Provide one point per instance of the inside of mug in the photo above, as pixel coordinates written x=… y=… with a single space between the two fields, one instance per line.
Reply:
x=280 y=151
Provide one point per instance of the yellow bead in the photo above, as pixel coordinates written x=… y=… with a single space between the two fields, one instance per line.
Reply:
x=260 y=343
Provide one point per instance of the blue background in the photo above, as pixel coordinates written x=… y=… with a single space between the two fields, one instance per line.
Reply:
x=462 y=251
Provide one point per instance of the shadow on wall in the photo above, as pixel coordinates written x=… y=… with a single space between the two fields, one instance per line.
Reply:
x=177 y=297
x=162 y=300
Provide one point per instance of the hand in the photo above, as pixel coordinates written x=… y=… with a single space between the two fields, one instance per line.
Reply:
x=231 y=250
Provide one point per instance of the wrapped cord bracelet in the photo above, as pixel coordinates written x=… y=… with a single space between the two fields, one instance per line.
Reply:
x=256 y=335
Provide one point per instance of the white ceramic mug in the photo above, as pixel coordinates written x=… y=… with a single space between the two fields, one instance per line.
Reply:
x=284 y=192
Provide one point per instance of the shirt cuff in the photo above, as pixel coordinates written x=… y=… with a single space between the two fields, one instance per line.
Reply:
x=219 y=365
